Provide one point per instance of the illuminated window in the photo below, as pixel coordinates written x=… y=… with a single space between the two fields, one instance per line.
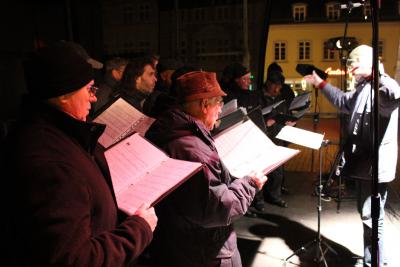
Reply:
x=304 y=50
x=280 y=51
x=333 y=11
x=299 y=12
x=329 y=53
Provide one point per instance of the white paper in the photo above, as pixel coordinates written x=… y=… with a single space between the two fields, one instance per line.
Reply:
x=301 y=137
x=121 y=119
x=141 y=173
x=245 y=148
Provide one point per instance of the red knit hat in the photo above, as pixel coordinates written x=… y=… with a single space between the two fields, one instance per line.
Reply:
x=198 y=85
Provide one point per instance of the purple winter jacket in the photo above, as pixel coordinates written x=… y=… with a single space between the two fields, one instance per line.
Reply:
x=195 y=221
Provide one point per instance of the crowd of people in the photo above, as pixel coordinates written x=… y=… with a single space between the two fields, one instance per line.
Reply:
x=62 y=209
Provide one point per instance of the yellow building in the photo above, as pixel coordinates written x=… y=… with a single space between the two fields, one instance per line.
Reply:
x=303 y=42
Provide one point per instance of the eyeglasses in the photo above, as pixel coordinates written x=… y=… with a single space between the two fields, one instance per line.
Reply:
x=350 y=63
x=93 y=90
x=220 y=102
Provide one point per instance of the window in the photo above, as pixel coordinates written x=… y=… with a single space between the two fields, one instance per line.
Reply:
x=333 y=11
x=183 y=48
x=128 y=46
x=128 y=14
x=280 y=51
x=299 y=12
x=144 y=46
x=367 y=10
x=144 y=12
x=199 y=46
x=304 y=50
x=199 y=14
x=329 y=53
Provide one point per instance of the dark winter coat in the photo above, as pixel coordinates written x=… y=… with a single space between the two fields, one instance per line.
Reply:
x=60 y=201
x=358 y=147
x=195 y=221
x=245 y=98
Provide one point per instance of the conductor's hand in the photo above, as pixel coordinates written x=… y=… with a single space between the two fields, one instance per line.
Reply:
x=148 y=214
x=259 y=179
x=314 y=79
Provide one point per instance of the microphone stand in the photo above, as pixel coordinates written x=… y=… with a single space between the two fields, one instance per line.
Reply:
x=375 y=196
x=321 y=247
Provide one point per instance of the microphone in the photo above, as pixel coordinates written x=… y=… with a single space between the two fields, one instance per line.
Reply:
x=351 y=5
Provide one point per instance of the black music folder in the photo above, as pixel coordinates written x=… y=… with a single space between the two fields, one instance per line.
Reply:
x=267 y=110
x=302 y=101
x=307 y=69
x=235 y=117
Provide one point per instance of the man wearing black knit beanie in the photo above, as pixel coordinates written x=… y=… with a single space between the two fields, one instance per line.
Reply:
x=59 y=200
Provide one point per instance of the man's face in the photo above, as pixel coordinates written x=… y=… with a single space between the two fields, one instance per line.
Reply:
x=77 y=103
x=244 y=81
x=211 y=111
x=117 y=73
x=273 y=89
x=359 y=68
x=146 y=82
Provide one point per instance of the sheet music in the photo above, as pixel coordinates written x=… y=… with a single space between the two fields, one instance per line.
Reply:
x=155 y=185
x=141 y=173
x=246 y=148
x=301 y=137
x=300 y=101
x=269 y=108
x=229 y=107
x=132 y=159
x=122 y=119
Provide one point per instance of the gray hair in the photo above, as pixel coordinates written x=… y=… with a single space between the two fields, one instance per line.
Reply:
x=115 y=63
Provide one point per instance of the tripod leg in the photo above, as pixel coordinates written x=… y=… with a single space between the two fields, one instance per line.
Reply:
x=339 y=198
x=303 y=248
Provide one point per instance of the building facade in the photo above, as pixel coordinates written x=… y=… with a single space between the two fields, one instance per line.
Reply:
x=207 y=34
x=309 y=32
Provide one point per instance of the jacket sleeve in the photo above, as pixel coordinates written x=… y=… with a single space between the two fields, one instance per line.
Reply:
x=211 y=198
x=340 y=99
x=60 y=227
x=389 y=94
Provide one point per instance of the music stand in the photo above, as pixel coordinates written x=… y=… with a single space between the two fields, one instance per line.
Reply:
x=298 y=136
x=318 y=243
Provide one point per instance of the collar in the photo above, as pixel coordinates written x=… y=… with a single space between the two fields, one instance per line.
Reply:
x=84 y=133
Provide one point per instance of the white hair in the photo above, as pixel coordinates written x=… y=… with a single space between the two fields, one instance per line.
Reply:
x=362 y=54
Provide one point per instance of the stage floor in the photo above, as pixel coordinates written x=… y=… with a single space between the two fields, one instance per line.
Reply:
x=278 y=232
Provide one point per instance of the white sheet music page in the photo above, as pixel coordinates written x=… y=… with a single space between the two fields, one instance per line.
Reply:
x=153 y=186
x=141 y=173
x=229 y=107
x=245 y=148
x=301 y=137
x=122 y=118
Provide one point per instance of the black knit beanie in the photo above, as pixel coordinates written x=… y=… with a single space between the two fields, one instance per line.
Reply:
x=234 y=71
x=55 y=71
